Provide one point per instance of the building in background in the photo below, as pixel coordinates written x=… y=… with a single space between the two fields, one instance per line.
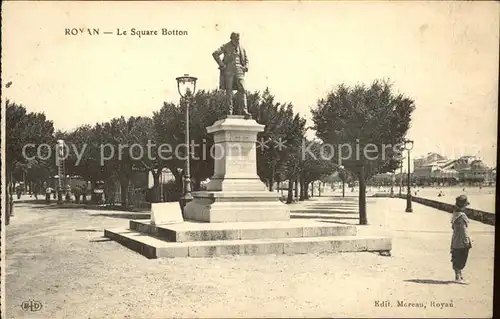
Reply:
x=435 y=169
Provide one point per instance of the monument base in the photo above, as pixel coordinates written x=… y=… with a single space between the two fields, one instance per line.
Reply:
x=191 y=239
x=236 y=206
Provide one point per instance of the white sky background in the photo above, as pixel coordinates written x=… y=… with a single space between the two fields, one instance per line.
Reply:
x=443 y=55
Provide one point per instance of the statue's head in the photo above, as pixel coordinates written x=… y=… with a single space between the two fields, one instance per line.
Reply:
x=235 y=38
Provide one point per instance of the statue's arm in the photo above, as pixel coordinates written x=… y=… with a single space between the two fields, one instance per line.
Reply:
x=246 y=60
x=216 y=54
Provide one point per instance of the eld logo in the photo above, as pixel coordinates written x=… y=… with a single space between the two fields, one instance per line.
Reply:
x=31 y=305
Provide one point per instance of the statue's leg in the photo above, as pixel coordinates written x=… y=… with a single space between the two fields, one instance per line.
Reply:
x=228 y=81
x=239 y=104
x=240 y=83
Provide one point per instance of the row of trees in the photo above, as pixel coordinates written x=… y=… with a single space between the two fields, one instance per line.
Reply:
x=354 y=116
x=112 y=151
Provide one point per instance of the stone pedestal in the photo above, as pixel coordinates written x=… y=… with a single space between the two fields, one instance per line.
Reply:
x=235 y=193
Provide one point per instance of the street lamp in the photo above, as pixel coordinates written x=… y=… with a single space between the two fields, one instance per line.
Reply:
x=186 y=85
x=408 y=145
x=401 y=149
x=10 y=188
x=401 y=178
x=393 y=180
x=60 y=171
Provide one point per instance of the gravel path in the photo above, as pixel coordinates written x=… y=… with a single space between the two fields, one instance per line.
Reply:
x=59 y=258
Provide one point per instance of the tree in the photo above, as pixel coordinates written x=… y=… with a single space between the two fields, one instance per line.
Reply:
x=282 y=135
x=111 y=152
x=169 y=125
x=292 y=154
x=28 y=133
x=142 y=155
x=87 y=141
x=346 y=177
x=315 y=165
x=35 y=171
x=122 y=134
x=266 y=112
x=370 y=122
x=169 y=130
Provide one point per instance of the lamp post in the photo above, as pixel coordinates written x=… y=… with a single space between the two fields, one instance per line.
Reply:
x=186 y=85
x=408 y=146
x=60 y=171
x=401 y=178
x=162 y=199
x=9 y=211
x=393 y=180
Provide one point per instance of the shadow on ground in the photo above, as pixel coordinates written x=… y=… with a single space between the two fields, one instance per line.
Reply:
x=100 y=240
x=93 y=207
x=125 y=215
x=432 y=281
x=337 y=222
x=31 y=201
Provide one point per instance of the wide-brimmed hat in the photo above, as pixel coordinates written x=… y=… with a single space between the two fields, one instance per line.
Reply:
x=462 y=201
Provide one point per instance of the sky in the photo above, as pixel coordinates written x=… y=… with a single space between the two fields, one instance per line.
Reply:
x=444 y=55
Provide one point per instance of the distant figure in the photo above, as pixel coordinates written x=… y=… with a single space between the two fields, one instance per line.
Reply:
x=460 y=240
x=19 y=191
x=78 y=192
x=48 y=192
x=68 y=193
x=84 y=194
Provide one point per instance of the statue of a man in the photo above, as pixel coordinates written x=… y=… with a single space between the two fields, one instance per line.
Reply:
x=232 y=70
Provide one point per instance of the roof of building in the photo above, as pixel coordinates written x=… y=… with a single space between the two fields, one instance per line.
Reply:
x=430 y=155
x=440 y=163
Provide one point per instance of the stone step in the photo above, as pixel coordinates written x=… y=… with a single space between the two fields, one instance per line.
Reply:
x=341 y=216
x=341 y=210
x=193 y=231
x=155 y=248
